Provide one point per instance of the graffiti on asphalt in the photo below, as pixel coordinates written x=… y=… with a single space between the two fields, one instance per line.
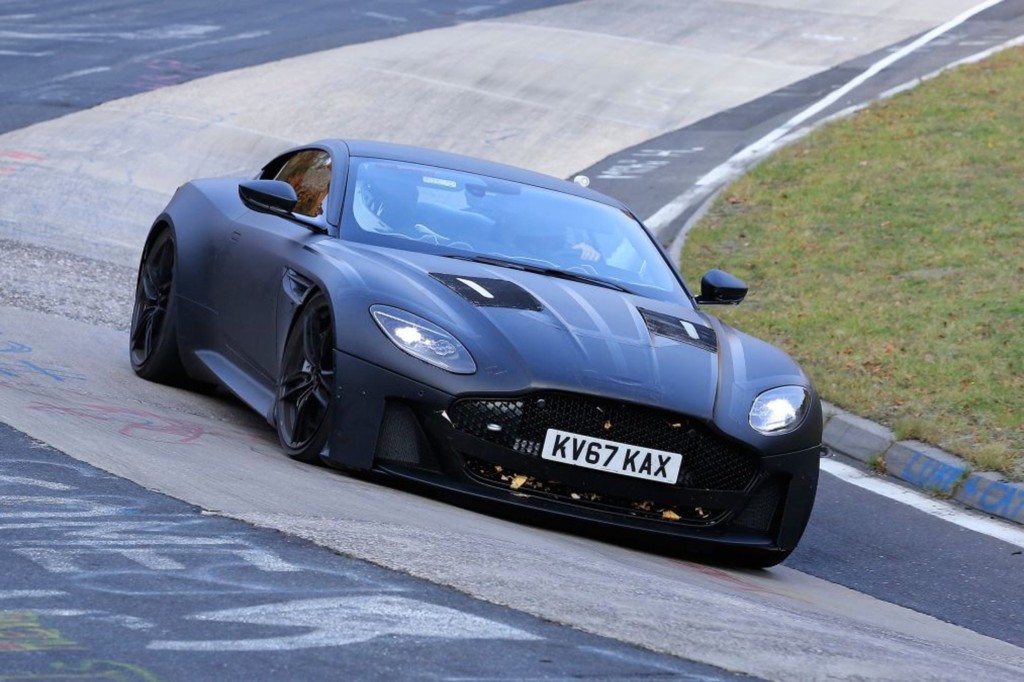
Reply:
x=12 y=160
x=140 y=424
x=21 y=631
x=160 y=73
x=336 y=621
x=83 y=670
x=642 y=162
x=134 y=423
x=12 y=366
x=194 y=582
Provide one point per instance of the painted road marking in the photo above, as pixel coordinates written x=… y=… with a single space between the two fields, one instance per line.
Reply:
x=40 y=507
x=84 y=531
x=929 y=505
x=644 y=161
x=736 y=164
x=79 y=74
x=20 y=594
x=703 y=191
x=70 y=557
x=337 y=621
x=22 y=480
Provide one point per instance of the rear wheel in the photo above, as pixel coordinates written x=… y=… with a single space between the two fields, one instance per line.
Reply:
x=306 y=386
x=153 y=342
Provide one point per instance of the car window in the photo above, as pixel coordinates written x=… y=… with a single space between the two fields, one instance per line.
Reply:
x=309 y=172
x=423 y=208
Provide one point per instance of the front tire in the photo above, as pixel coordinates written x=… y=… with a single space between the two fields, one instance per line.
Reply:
x=302 y=409
x=153 y=341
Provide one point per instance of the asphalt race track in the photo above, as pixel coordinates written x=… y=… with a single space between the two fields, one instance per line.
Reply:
x=151 y=533
x=179 y=589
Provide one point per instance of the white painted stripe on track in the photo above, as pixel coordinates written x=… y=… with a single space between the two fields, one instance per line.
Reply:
x=736 y=164
x=17 y=53
x=249 y=35
x=946 y=511
x=774 y=139
x=700 y=194
x=904 y=87
x=79 y=74
x=21 y=594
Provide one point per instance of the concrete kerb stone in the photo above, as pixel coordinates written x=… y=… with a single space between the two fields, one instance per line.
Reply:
x=916 y=463
x=991 y=493
x=856 y=437
x=922 y=465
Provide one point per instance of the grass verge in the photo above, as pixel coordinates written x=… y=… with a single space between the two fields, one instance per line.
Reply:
x=885 y=252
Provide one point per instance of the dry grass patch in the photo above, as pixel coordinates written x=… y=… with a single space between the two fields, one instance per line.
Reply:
x=886 y=254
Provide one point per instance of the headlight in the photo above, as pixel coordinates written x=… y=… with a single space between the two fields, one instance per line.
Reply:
x=779 y=410
x=423 y=340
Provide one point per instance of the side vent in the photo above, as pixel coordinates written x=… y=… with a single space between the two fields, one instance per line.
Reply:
x=296 y=286
x=683 y=331
x=489 y=293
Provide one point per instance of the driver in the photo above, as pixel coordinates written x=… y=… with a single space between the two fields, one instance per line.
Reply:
x=587 y=252
x=392 y=196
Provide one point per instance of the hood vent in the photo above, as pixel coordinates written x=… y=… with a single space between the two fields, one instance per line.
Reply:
x=489 y=293
x=680 y=330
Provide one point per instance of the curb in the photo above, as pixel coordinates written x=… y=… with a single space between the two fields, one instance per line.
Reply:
x=924 y=466
x=919 y=464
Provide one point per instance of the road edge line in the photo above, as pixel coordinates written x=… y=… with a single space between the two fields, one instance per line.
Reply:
x=928 y=468
x=970 y=520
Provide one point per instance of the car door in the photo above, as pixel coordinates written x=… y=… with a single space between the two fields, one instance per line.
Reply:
x=256 y=255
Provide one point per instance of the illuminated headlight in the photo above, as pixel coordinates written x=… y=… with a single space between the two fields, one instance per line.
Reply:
x=779 y=410
x=423 y=340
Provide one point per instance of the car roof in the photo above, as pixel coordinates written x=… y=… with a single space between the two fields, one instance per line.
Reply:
x=468 y=164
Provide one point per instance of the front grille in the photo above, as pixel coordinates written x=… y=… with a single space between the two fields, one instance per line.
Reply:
x=709 y=461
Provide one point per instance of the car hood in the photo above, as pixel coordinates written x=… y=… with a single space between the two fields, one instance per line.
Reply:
x=539 y=331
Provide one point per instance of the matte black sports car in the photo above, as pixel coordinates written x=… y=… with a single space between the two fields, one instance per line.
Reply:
x=494 y=332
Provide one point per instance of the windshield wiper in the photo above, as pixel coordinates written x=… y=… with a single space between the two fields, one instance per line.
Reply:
x=540 y=270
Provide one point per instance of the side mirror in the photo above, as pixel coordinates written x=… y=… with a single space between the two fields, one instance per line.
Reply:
x=268 y=196
x=721 y=288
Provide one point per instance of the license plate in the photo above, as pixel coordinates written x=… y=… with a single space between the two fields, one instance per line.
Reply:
x=611 y=456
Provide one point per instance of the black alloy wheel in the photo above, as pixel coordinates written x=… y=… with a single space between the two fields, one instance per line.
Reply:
x=306 y=388
x=153 y=342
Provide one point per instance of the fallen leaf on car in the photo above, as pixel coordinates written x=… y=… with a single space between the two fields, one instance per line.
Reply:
x=670 y=515
x=517 y=482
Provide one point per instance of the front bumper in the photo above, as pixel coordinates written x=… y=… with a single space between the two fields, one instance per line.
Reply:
x=391 y=424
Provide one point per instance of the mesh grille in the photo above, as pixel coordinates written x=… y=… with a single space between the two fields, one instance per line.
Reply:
x=760 y=511
x=398 y=439
x=709 y=462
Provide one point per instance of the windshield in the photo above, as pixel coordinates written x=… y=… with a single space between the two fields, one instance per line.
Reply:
x=435 y=210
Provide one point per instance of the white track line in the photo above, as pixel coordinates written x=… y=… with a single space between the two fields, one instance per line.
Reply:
x=762 y=147
x=734 y=166
x=947 y=512
x=79 y=74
